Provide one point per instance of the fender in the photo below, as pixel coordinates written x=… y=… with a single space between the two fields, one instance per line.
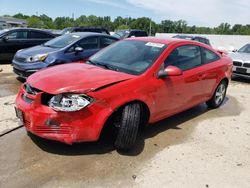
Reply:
x=118 y=103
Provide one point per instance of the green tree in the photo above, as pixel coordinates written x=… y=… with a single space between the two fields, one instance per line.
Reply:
x=167 y=26
x=121 y=27
x=35 y=22
x=21 y=16
x=47 y=21
x=223 y=28
x=63 y=22
x=144 y=24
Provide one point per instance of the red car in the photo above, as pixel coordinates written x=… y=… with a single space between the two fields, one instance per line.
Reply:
x=125 y=86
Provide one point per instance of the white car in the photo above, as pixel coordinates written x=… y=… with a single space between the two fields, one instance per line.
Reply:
x=241 y=62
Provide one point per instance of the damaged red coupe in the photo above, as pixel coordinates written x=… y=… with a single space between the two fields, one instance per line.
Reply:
x=125 y=86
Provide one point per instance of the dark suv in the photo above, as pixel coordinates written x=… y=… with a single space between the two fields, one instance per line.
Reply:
x=122 y=34
x=196 y=38
x=12 y=40
x=84 y=29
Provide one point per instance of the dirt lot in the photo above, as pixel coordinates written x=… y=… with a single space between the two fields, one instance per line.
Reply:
x=197 y=148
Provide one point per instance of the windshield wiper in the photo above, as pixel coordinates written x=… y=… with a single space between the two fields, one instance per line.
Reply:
x=106 y=66
x=110 y=67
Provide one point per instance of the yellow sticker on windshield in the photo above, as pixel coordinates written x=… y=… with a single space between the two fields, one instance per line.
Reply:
x=157 y=45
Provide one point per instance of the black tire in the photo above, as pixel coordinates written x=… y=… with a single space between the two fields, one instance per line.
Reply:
x=129 y=125
x=214 y=102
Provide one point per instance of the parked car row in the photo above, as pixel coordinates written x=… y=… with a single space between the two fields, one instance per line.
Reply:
x=99 y=80
x=63 y=49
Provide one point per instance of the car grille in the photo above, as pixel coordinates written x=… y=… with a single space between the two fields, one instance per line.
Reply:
x=20 y=59
x=65 y=130
x=237 y=63
x=246 y=65
x=21 y=73
x=248 y=74
x=31 y=90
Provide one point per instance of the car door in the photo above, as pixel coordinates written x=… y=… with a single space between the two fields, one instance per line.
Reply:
x=177 y=93
x=90 y=46
x=12 y=42
x=37 y=38
x=211 y=69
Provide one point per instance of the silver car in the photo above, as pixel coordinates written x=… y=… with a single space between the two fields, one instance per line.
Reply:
x=241 y=62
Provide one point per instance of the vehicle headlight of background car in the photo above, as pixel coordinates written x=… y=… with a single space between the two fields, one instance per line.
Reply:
x=69 y=102
x=37 y=58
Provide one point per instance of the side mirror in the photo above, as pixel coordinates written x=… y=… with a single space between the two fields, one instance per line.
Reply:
x=169 y=71
x=5 y=39
x=78 y=49
x=235 y=50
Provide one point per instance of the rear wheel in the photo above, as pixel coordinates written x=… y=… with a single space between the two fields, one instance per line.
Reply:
x=219 y=95
x=128 y=126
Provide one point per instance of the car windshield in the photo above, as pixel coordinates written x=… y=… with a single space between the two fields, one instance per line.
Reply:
x=121 y=34
x=66 y=31
x=245 y=49
x=3 y=31
x=132 y=57
x=62 y=41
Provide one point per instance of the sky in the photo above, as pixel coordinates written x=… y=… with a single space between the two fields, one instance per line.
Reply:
x=196 y=12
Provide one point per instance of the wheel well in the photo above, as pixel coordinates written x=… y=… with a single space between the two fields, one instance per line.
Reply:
x=226 y=80
x=110 y=122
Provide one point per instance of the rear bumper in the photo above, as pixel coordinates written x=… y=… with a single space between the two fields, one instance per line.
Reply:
x=66 y=127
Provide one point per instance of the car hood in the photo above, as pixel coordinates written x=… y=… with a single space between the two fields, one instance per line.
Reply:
x=76 y=78
x=240 y=56
x=38 y=50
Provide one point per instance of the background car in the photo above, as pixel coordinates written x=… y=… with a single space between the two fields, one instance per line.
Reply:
x=123 y=87
x=122 y=34
x=12 y=40
x=84 y=29
x=64 y=49
x=196 y=38
x=241 y=61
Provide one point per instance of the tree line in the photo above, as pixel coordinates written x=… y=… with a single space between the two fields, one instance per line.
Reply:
x=144 y=23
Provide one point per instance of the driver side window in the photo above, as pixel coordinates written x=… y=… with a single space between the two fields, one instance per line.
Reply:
x=17 y=35
x=184 y=57
x=86 y=44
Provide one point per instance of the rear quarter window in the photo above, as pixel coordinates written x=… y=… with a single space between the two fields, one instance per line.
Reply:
x=209 y=56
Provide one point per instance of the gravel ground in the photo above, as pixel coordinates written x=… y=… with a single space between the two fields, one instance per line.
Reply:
x=196 y=148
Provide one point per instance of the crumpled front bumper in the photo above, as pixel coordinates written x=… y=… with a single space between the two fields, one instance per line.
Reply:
x=68 y=127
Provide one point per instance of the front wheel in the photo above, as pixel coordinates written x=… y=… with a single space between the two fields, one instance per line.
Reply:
x=128 y=126
x=218 y=96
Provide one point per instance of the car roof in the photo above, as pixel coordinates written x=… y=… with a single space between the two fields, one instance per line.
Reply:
x=87 y=34
x=132 y=30
x=169 y=41
x=190 y=36
x=88 y=27
x=30 y=29
x=157 y=40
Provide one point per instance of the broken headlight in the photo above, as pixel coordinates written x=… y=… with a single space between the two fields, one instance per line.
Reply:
x=69 y=102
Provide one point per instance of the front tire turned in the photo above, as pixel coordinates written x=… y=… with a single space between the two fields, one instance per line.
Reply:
x=129 y=126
